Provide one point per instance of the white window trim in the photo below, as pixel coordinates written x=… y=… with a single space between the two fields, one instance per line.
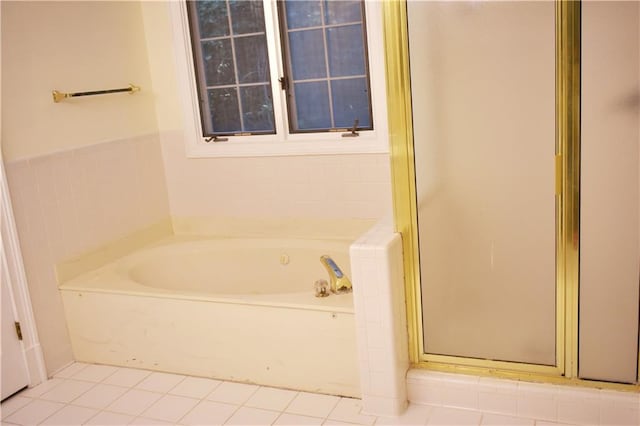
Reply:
x=282 y=143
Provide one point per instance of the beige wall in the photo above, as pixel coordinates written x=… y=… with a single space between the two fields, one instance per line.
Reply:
x=72 y=46
x=87 y=171
x=162 y=65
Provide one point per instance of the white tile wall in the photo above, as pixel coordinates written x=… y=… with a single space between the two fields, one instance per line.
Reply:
x=376 y=268
x=326 y=186
x=72 y=201
x=525 y=401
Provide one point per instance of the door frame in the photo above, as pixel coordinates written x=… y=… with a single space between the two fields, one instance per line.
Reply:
x=17 y=278
x=567 y=163
x=18 y=286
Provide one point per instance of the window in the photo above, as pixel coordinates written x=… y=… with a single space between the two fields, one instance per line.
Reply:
x=232 y=63
x=327 y=78
x=285 y=77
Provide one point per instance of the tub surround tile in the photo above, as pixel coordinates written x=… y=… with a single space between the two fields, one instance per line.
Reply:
x=170 y=408
x=70 y=415
x=134 y=402
x=314 y=405
x=73 y=201
x=252 y=416
x=347 y=229
x=160 y=382
x=209 y=413
x=96 y=257
x=232 y=393
x=100 y=396
x=541 y=407
x=104 y=418
x=542 y=402
x=277 y=186
x=578 y=411
x=271 y=399
x=617 y=415
x=380 y=312
x=498 y=402
x=297 y=420
x=34 y=412
x=195 y=387
x=127 y=377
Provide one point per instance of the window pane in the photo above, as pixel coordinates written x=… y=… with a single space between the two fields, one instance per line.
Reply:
x=225 y=114
x=230 y=61
x=312 y=105
x=307 y=54
x=350 y=101
x=257 y=108
x=316 y=58
x=212 y=18
x=247 y=16
x=302 y=14
x=253 y=63
x=340 y=12
x=346 y=51
x=218 y=62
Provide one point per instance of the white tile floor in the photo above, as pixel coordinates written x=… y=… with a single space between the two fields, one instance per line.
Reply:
x=103 y=395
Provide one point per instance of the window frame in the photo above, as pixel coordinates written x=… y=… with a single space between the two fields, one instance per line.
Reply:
x=290 y=82
x=283 y=142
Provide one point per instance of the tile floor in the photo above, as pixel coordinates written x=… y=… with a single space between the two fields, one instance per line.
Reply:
x=105 y=395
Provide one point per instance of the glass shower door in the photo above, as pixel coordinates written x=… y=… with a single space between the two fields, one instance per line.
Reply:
x=483 y=94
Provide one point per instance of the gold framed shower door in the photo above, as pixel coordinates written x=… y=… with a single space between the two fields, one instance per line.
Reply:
x=567 y=175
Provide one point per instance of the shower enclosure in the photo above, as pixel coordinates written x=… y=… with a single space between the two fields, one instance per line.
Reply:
x=515 y=131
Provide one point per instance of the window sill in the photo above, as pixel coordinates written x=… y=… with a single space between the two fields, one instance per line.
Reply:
x=357 y=145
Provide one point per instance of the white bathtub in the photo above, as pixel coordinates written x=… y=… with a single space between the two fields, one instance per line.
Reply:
x=233 y=309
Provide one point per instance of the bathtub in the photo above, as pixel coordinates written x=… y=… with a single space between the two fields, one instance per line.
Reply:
x=236 y=309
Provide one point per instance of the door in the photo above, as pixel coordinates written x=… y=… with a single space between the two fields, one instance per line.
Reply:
x=14 y=366
x=483 y=93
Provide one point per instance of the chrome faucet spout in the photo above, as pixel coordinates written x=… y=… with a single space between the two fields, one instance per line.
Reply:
x=338 y=281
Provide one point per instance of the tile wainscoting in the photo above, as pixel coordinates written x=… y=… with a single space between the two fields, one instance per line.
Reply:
x=72 y=201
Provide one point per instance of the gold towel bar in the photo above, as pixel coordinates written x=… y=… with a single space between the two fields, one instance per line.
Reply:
x=59 y=96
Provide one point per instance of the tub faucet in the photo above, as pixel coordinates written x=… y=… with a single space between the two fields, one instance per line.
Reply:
x=339 y=283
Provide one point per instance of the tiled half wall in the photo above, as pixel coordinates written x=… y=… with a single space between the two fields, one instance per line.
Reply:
x=378 y=298
x=76 y=200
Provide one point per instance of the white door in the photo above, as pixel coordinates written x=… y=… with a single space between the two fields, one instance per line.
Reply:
x=14 y=375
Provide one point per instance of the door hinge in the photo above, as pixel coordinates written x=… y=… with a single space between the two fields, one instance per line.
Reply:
x=18 y=330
